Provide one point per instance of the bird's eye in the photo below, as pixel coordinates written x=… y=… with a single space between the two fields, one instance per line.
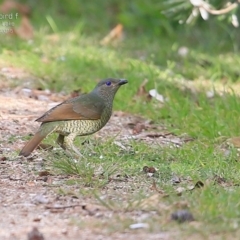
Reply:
x=108 y=83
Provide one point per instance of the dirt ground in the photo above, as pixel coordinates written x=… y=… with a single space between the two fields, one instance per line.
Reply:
x=29 y=199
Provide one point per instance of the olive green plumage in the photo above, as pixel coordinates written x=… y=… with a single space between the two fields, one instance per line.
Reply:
x=78 y=116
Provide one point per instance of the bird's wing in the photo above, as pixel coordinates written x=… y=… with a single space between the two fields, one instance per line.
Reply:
x=85 y=107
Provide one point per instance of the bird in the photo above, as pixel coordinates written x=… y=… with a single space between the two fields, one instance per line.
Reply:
x=79 y=116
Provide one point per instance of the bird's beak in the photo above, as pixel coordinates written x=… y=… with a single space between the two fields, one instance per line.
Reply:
x=122 y=81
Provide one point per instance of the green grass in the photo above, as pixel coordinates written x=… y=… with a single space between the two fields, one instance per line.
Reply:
x=215 y=204
x=73 y=60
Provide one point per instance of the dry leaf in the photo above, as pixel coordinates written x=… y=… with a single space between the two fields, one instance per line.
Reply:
x=25 y=30
x=44 y=173
x=116 y=34
x=154 y=187
x=8 y=5
x=154 y=93
x=235 y=141
x=142 y=90
x=147 y=169
x=138 y=128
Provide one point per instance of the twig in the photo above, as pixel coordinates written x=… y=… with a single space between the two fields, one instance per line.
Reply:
x=221 y=11
x=63 y=207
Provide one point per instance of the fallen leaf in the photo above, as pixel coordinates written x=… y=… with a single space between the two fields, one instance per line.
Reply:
x=44 y=173
x=138 y=128
x=154 y=187
x=154 y=93
x=234 y=141
x=8 y=5
x=116 y=34
x=147 y=169
x=25 y=30
x=142 y=92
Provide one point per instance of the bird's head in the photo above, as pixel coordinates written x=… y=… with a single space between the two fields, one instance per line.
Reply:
x=107 y=88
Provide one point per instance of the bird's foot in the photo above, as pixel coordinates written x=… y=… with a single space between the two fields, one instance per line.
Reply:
x=74 y=154
x=67 y=145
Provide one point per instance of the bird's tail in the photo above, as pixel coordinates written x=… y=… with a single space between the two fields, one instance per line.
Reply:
x=32 y=144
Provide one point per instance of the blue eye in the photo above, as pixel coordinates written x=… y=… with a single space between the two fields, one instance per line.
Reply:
x=108 y=83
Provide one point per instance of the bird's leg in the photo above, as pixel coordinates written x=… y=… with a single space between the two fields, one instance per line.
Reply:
x=68 y=144
x=60 y=141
